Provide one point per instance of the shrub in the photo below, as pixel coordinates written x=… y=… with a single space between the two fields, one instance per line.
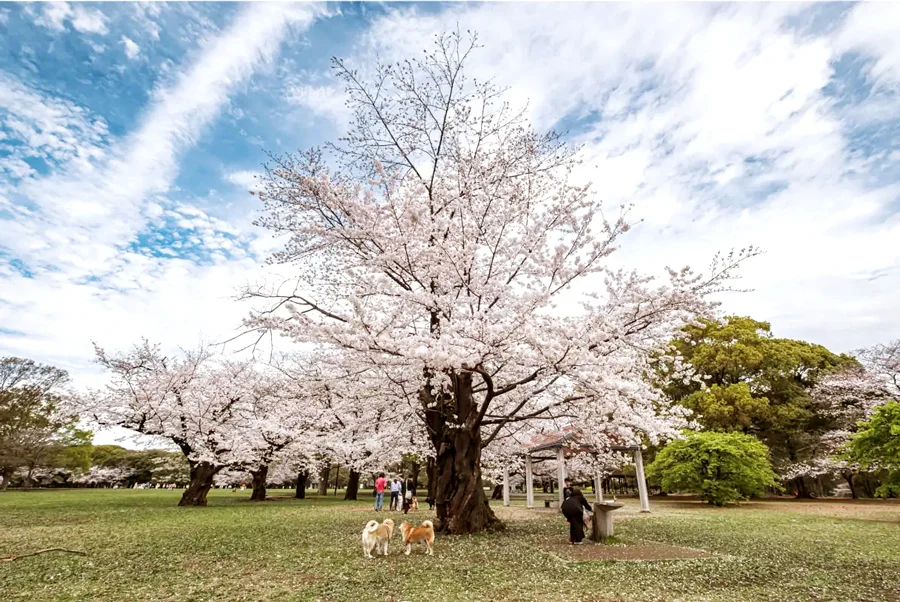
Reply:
x=720 y=467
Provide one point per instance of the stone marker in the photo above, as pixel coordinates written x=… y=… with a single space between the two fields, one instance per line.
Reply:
x=602 y=521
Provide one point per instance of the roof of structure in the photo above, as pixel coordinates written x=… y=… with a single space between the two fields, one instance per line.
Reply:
x=560 y=439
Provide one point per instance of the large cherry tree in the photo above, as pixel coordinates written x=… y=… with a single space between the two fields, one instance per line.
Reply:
x=442 y=241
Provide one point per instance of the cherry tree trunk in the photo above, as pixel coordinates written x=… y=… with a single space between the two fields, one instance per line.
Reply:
x=352 y=486
x=802 y=489
x=6 y=473
x=432 y=479
x=414 y=475
x=302 y=479
x=259 y=484
x=202 y=474
x=848 y=476
x=462 y=507
x=323 y=479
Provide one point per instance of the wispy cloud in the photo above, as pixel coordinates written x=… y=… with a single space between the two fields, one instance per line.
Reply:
x=132 y=50
x=53 y=15
x=79 y=228
x=321 y=101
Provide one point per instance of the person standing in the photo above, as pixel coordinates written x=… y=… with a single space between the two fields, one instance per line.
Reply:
x=396 y=486
x=567 y=490
x=409 y=490
x=380 y=483
x=573 y=509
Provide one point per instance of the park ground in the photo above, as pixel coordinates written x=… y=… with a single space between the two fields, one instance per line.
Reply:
x=140 y=546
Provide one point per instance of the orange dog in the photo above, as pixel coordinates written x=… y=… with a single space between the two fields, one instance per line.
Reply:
x=422 y=534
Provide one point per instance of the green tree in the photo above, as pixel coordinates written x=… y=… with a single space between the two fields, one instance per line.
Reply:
x=754 y=383
x=877 y=444
x=32 y=425
x=720 y=467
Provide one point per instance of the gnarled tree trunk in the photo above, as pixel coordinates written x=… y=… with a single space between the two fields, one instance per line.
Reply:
x=259 y=484
x=202 y=474
x=302 y=479
x=462 y=506
x=323 y=479
x=352 y=486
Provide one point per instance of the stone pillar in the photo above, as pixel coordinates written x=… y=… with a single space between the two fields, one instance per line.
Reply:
x=529 y=483
x=561 y=471
x=506 y=486
x=641 y=481
x=602 y=521
x=598 y=487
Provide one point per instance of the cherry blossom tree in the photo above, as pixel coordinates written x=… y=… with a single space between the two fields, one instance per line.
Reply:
x=840 y=401
x=104 y=476
x=179 y=399
x=883 y=362
x=446 y=243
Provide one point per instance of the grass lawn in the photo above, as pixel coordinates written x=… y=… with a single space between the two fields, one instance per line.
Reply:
x=142 y=547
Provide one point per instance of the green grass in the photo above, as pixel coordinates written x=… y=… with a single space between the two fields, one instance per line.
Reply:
x=142 y=547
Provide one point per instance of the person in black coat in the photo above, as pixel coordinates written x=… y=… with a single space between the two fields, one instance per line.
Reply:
x=573 y=509
x=567 y=490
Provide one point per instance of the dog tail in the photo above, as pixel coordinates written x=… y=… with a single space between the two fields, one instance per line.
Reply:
x=372 y=526
x=428 y=523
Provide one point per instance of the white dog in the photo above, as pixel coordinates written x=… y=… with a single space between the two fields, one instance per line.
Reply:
x=376 y=536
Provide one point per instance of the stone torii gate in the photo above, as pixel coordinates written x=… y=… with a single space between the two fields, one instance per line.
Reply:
x=558 y=443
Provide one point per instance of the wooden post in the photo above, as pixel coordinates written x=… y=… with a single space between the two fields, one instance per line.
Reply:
x=641 y=481
x=506 y=486
x=529 y=483
x=598 y=487
x=561 y=471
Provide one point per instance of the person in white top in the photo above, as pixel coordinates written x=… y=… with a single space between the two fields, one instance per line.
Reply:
x=396 y=488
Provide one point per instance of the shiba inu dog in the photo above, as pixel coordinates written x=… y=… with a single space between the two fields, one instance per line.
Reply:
x=375 y=537
x=421 y=534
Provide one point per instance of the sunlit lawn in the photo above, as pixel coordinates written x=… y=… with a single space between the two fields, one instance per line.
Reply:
x=142 y=547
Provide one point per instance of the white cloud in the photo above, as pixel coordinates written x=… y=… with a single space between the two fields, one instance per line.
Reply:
x=873 y=29
x=51 y=129
x=132 y=50
x=153 y=29
x=246 y=179
x=326 y=102
x=89 y=21
x=54 y=15
x=87 y=285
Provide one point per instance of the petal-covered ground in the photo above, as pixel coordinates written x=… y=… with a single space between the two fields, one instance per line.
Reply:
x=140 y=546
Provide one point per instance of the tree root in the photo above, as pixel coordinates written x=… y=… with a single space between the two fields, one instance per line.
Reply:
x=10 y=558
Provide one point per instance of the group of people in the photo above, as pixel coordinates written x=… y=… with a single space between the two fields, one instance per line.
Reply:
x=401 y=493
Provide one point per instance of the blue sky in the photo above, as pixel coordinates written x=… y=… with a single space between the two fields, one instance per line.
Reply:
x=131 y=133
